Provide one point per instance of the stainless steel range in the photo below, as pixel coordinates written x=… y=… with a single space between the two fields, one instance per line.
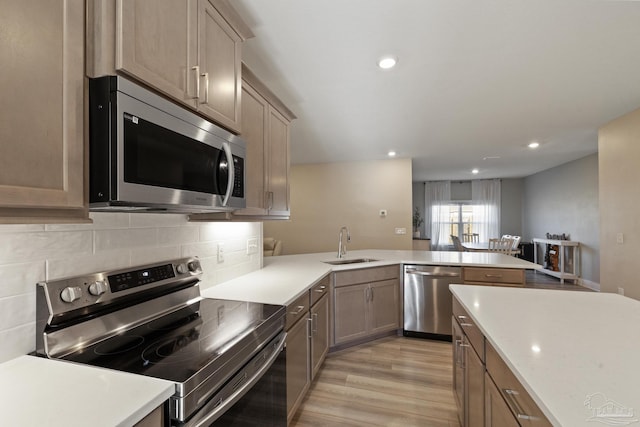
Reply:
x=225 y=357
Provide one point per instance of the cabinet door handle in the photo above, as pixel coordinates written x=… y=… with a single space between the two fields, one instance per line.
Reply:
x=298 y=311
x=206 y=87
x=197 y=73
x=371 y=293
x=309 y=328
x=510 y=397
x=314 y=324
x=457 y=352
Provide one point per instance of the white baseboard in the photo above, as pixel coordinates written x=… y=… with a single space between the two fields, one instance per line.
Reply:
x=589 y=284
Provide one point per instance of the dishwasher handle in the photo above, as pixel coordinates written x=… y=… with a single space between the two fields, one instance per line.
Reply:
x=431 y=273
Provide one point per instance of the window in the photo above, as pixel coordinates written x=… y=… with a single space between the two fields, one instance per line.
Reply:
x=461 y=219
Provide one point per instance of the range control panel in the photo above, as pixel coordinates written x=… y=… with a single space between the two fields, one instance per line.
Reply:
x=70 y=294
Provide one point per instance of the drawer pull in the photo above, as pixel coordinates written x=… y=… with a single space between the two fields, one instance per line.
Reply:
x=470 y=325
x=493 y=276
x=300 y=310
x=321 y=289
x=510 y=396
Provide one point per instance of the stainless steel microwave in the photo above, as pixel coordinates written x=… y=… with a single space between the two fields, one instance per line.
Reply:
x=149 y=154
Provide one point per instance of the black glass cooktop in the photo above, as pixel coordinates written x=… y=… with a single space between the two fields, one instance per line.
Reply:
x=179 y=345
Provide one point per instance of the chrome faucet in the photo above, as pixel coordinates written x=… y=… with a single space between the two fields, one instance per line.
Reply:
x=342 y=248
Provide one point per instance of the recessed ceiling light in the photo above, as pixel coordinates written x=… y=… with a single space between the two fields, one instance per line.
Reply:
x=387 y=62
x=391 y=154
x=475 y=171
x=533 y=145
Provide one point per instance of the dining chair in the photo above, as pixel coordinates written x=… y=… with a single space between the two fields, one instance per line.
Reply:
x=457 y=244
x=501 y=245
x=516 y=242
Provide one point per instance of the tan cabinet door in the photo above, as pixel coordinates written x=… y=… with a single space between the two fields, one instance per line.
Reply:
x=219 y=58
x=278 y=169
x=351 y=313
x=497 y=413
x=385 y=310
x=156 y=42
x=255 y=112
x=474 y=387
x=41 y=109
x=319 y=333
x=297 y=365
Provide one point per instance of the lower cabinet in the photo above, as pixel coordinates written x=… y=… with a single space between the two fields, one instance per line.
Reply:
x=487 y=393
x=307 y=342
x=497 y=413
x=366 y=303
x=468 y=373
x=154 y=419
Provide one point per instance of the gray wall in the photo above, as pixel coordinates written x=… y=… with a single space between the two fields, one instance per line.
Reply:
x=418 y=200
x=564 y=199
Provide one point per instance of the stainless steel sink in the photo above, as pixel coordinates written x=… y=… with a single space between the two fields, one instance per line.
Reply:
x=349 y=261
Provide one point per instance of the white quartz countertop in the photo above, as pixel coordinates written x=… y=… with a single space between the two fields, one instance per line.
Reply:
x=41 y=392
x=284 y=278
x=574 y=352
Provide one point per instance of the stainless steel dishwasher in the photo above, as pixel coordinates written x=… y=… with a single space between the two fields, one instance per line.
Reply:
x=427 y=300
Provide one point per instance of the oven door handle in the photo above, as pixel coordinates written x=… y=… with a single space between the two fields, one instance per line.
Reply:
x=215 y=408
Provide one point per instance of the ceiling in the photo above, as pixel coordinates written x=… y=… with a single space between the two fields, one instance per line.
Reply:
x=476 y=80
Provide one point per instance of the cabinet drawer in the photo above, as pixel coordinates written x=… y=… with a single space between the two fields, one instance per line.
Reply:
x=366 y=275
x=514 y=394
x=493 y=275
x=470 y=328
x=319 y=289
x=297 y=310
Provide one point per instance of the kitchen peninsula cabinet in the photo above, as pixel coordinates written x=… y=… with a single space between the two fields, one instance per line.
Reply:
x=493 y=276
x=366 y=303
x=42 y=177
x=190 y=50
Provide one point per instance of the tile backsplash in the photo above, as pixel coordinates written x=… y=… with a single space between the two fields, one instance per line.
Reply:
x=33 y=253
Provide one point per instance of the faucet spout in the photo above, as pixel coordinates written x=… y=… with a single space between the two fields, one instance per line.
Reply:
x=342 y=247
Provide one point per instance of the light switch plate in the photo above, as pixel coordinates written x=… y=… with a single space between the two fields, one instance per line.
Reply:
x=401 y=230
x=252 y=246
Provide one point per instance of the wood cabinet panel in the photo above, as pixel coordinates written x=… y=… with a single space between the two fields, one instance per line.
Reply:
x=475 y=388
x=512 y=390
x=385 y=308
x=319 y=333
x=297 y=309
x=471 y=330
x=156 y=44
x=497 y=413
x=219 y=59
x=497 y=276
x=298 y=378
x=365 y=275
x=351 y=313
x=42 y=113
x=320 y=289
x=278 y=166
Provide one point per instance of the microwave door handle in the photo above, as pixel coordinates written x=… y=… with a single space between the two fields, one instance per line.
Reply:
x=231 y=175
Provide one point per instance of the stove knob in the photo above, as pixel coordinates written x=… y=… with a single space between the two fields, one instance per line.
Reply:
x=182 y=268
x=97 y=288
x=193 y=266
x=70 y=294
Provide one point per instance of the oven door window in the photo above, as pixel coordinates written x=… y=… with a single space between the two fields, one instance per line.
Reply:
x=159 y=157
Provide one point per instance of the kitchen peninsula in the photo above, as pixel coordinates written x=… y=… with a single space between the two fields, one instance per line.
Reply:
x=574 y=353
x=284 y=278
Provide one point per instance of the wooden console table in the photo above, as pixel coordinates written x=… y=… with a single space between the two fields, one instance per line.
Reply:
x=567 y=269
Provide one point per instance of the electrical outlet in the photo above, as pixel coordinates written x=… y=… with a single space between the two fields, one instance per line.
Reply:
x=220 y=252
x=619 y=238
x=252 y=246
x=401 y=230
x=621 y=291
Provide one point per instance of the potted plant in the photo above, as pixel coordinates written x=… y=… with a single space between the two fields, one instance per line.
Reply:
x=417 y=222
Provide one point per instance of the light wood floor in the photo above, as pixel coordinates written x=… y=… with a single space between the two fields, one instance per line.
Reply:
x=393 y=381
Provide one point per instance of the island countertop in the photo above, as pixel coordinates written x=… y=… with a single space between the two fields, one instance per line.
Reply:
x=572 y=351
x=284 y=278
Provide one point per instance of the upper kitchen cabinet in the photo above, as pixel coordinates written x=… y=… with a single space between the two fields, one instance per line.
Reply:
x=42 y=112
x=188 y=49
x=265 y=128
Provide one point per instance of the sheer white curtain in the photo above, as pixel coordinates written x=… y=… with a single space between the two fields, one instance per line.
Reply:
x=486 y=208
x=436 y=198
